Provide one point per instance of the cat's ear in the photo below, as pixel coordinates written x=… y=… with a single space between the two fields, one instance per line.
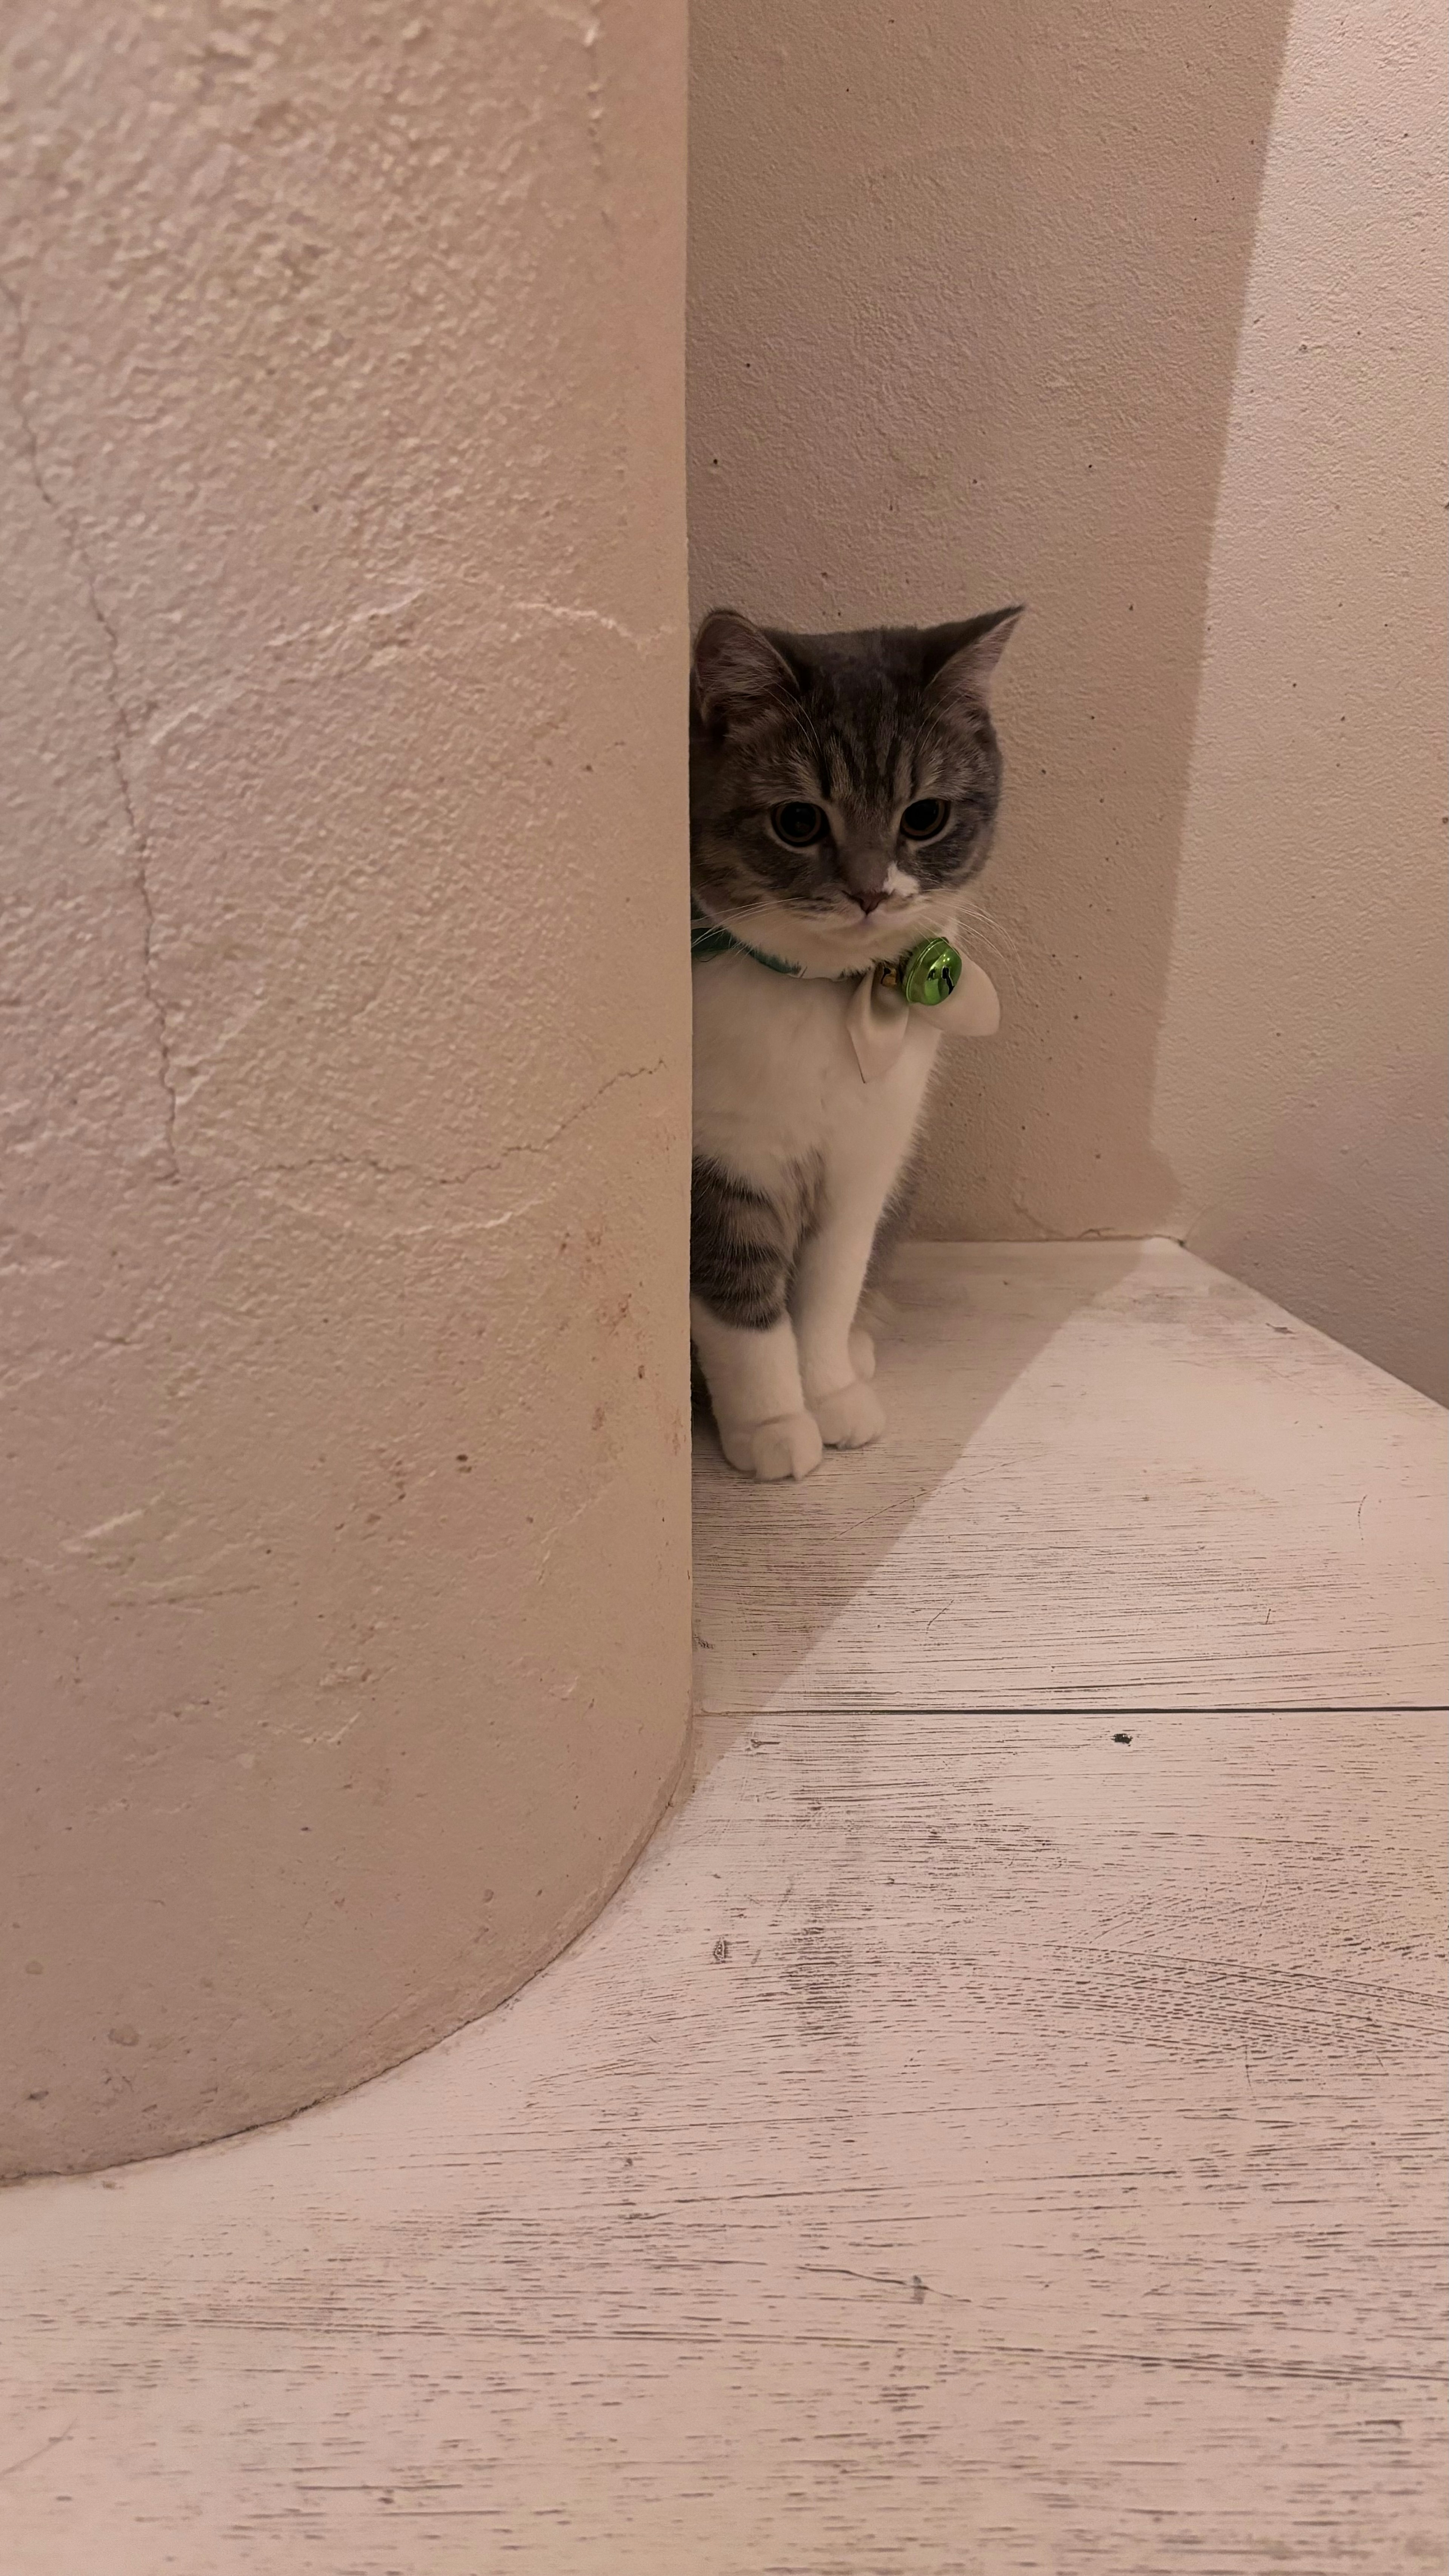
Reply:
x=961 y=660
x=737 y=670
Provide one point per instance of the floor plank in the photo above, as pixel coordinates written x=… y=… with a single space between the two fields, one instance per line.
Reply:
x=965 y=2144
x=1114 y=1477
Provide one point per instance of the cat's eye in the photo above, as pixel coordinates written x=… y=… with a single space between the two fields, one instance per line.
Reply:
x=799 y=824
x=927 y=819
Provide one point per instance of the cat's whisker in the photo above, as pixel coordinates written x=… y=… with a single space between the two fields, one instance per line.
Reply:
x=976 y=938
x=981 y=927
x=976 y=911
x=741 y=920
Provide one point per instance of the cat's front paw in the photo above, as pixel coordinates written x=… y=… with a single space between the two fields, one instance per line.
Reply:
x=850 y=1418
x=789 y=1446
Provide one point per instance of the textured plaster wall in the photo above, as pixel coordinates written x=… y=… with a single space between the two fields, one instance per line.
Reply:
x=345 y=1089
x=1132 y=313
x=1302 y=1080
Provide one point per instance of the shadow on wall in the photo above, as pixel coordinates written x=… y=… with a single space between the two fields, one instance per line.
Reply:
x=1348 y=1167
x=965 y=298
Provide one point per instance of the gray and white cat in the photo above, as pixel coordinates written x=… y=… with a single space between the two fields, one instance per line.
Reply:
x=843 y=790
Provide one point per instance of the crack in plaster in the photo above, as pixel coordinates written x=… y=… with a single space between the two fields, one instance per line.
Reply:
x=1019 y=1202
x=593 y=35
x=588 y=26
x=641 y=641
x=69 y=523
x=474 y=1171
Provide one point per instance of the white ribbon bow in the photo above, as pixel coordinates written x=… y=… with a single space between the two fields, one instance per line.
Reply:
x=877 y=1017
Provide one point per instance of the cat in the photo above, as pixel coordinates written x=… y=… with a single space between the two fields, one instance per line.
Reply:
x=843 y=794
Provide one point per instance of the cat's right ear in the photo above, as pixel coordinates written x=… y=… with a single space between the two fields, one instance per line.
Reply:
x=737 y=672
x=961 y=660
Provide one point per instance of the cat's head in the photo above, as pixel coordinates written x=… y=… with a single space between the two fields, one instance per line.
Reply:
x=843 y=788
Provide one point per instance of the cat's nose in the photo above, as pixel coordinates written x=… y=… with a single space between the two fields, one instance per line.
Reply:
x=868 y=902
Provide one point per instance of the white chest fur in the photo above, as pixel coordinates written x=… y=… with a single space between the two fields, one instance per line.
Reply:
x=777 y=1085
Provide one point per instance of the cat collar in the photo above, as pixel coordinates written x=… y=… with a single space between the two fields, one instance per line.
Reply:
x=927 y=974
x=931 y=976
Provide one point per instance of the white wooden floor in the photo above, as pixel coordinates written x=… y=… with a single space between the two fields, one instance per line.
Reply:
x=997 y=2128
x=1119 y=1480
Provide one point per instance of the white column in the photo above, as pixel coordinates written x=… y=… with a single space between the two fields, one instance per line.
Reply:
x=344 y=1426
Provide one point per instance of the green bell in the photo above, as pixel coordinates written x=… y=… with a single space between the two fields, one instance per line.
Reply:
x=930 y=973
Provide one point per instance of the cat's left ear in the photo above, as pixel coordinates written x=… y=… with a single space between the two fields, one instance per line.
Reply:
x=737 y=671
x=961 y=660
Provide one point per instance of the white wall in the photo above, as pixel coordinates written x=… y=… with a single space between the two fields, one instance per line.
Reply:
x=1301 y=1071
x=1127 y=312
x=343 y=646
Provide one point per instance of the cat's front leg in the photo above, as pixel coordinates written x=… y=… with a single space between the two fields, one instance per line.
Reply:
x=739 y=1273
x=828 y=1285
x=861 y=1347
x=754 y=1388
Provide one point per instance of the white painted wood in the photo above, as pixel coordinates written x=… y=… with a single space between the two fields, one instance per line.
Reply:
x=964 y=2144
x=1112 y=1477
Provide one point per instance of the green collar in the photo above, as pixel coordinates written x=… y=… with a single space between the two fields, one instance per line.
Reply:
x=928 y=973
x=708 y=939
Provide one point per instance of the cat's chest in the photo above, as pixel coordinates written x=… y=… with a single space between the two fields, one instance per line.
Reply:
x=776 y=1082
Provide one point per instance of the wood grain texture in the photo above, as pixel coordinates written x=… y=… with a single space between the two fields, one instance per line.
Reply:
x=966 y=2144
x=1112 y=1477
